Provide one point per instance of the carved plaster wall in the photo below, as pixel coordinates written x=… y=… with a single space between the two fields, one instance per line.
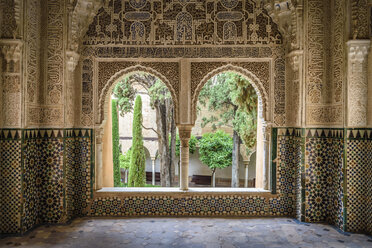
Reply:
x=177 y=29
x=325 y=58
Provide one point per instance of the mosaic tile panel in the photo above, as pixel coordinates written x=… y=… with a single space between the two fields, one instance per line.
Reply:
x=289 y=162
x=78 y=153
x=323 y=176
x=10 y=181
x=43 y=187
x=201 y=205
x=359 y=181
x=31 y=183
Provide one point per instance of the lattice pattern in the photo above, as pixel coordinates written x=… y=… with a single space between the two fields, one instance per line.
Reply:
x=10 y=186
x=323 y=178
x=78 y=173
x=188 y=205
x=359 y=184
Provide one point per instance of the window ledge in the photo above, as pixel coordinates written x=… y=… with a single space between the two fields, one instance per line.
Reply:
x=191 y=191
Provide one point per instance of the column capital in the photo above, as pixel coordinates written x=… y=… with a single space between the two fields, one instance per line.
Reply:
x=72 y=60
x=358 y=50
x=185 y=134
x=295 y=59
x=11 y=50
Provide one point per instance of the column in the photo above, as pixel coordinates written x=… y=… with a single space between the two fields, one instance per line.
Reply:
x=153 y=170
x=11 y=88
x=357 y=83
x=185 y=134
x=99 y=167
x=72 y=59
x=266 y=156
x=246 y=164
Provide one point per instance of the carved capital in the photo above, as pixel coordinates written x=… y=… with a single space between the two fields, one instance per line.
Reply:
x=185 y=135
x=11 y=50
x=358 y=50
x=357 y=83
x=98 y=134
x=295 y=59
x=72 y=60
x=280 y=12
x=266 y=130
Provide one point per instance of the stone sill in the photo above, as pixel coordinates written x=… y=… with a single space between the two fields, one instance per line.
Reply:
x=121 y=191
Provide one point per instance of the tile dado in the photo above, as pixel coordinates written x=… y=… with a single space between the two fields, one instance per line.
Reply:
x=35 y=176
x=359 y=180
x=319 y=175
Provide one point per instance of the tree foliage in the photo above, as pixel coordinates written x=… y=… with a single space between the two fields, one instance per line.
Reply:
x=125 y=159
x=161 y=101
x=159 y=93
x=115 y=143
x=215 y=150
x=232 y=100
x=125 y=94
x=192 y=145
x=137 y=176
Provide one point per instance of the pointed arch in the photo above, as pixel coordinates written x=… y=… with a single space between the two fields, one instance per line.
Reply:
x=104 y=98
x=263 y=98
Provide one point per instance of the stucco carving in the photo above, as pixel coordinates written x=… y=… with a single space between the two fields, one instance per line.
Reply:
x=359 y=17
x=11 y=83
x=325 y=68
x=293 y=93
x=10 y=19
x=182 y=23
x=81 y=13
x=357 y=82
x=72 y=59
x=33 y=51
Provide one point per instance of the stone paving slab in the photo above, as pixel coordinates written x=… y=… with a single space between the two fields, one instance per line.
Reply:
x=187 y=232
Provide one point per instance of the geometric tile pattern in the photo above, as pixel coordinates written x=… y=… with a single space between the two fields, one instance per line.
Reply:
x=78 y=153
x=203 y=205
x=10 y=181
x=43 y=177
x=289 y=162
x=323 y=176
x=56 y=164
x=359 y=181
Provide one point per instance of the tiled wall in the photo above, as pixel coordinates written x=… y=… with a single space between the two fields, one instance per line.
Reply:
x=10 y=181
x=289 y=154
x=45 y=176
x=78 y=155
x=359 y=180
x=323 y=176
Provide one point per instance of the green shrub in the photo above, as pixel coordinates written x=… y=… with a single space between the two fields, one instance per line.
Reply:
x=137 y=174
x=115 y=143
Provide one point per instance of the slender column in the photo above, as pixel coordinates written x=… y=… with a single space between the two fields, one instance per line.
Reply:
x=185 y=134
x=357 y=85
x=266 y=151
x=153 y=170
x=99 y=168
x=11 y=89
x=72 y=59
x=246 y=164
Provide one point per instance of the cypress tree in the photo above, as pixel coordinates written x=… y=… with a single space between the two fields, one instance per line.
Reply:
x=137 y=175
x=115 y=143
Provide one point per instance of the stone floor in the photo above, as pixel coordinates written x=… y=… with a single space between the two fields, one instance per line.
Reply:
x=187 y=232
